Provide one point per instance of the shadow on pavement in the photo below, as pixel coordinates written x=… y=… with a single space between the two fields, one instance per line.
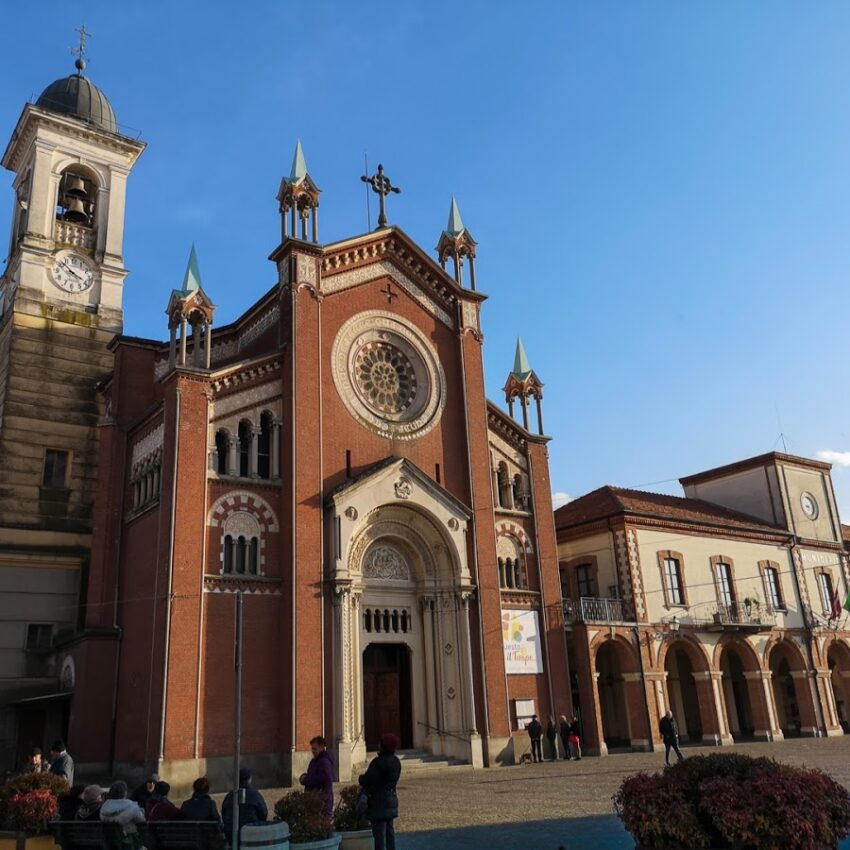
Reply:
x=599 y=832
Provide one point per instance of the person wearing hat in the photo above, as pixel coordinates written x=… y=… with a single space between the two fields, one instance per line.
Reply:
x=379 y=783
x=35 y=762
x=252 y=807
x=92 y=800
x=145 y=791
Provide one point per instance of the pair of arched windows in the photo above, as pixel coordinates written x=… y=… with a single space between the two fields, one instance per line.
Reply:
x=513 y=491
x=241 y=555
x=253 y=449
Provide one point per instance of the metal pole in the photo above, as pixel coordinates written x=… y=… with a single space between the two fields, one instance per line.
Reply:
x=237 y=726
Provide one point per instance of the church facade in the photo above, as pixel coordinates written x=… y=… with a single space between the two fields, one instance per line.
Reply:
x=330 y=458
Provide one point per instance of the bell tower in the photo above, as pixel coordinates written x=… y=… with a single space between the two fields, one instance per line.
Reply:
x=71 y=165
x=60 y=306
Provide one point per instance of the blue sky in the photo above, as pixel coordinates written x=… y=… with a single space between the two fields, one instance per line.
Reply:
x=659 y=190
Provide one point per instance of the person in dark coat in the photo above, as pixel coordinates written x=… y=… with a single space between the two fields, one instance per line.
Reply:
x=669 y=730
x=69 y=804
x=145 y=791
x=61 y=763
x=159 y=807
x=200 y=806
x=535 y=732
x=564 y=731
x=575 y=739
x=320 y=773
x=552 y=737
x=252 y=810
x=379 y=782
x=35 y=762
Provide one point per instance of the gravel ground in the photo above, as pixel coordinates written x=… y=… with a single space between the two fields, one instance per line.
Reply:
x=458 y=798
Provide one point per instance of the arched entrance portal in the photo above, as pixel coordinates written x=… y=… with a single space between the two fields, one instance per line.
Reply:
x=387 y=693
x=838 y=657
x=682 y=693
x=403 y=652
x=613 y=704
x=739 y=710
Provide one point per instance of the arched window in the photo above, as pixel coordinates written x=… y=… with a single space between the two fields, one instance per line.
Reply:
x=253 y=556
x=222 y=449
x=505 y=488
x=517 y=575
x=245 y=435
x=509 y=573
x=228 y=554
x=501 y=563
x=241 y=554
x=264 y=441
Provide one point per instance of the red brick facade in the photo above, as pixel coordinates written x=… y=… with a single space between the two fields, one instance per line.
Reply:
x=259 y=474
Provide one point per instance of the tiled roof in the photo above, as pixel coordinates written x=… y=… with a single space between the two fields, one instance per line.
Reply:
x=615 y=501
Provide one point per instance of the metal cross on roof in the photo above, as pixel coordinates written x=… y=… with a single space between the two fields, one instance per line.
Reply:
x=382 y=186
x=80 y=52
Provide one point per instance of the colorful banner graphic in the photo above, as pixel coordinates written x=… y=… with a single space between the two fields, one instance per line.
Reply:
x=521 y=639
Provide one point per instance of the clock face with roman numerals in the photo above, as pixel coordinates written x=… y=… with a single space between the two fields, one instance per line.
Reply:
x=71 y=273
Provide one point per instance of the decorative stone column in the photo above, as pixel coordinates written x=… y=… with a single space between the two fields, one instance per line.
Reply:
x=253 y=448
x=274 y=450
x=765 y=719
x=468 y=679
x=433 y=739
x=232 y=455
x=183 y=328
x=172 y=344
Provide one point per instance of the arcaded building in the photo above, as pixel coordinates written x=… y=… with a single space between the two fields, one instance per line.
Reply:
x=724 y=605
x=330 y=455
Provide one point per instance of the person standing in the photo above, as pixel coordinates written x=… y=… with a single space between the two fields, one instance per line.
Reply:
x=535 y=733
x=35 y=762
x=320 y=773
x=564 y=730
x=61 y=762
x=552 y=737
x=669 y=730
x=575 y=739
x=379 y=782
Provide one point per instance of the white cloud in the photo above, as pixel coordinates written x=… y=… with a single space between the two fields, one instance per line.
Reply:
x=836 y=458
x=560 y=499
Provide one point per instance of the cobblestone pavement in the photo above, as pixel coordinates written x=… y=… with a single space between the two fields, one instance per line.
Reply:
x=556 y=804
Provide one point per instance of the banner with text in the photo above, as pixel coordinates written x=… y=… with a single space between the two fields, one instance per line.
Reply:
x=521 y=639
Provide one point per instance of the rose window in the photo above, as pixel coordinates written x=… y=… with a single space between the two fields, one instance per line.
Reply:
x=385 y=378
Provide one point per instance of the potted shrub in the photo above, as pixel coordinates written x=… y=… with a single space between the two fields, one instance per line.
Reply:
x=309 y=827
x=724 y=801
x=352 y=826
x=26 y=818
x=14 y=815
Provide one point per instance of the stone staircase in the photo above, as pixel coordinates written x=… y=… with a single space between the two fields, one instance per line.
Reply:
x=416 y=761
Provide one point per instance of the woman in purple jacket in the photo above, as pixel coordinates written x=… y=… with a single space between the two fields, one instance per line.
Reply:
x=320 y=773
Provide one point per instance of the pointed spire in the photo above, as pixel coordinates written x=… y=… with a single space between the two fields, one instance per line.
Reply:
x=521 y=366
x=299 y=164
x=455 y=226
x=192 y=279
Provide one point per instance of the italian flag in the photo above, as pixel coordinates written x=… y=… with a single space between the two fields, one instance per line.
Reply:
x=847 y=602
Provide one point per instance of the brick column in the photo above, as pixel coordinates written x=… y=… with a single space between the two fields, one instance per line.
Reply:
x=637 y=707
x=715 y=728
x=761 y=680
x=591 y=714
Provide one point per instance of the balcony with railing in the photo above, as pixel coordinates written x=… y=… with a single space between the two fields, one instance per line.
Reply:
x=590 y=609
x=734 y=616
x=76 y=235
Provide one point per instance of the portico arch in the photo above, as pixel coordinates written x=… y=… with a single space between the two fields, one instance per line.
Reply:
x=621 y=699
x=838 y=660
x=749 y=710
x=690 y=695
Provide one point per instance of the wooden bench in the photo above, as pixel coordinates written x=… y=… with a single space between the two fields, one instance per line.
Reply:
x=159 y=835
x=77 y=835
x=182 y=835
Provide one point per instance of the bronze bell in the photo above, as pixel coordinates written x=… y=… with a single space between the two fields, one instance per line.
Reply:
x=75 y=211
x=75 y=187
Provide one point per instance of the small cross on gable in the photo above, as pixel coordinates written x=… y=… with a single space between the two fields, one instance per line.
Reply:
x=389 y=293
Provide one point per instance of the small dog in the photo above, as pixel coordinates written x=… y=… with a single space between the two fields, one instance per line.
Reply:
x=525 y=758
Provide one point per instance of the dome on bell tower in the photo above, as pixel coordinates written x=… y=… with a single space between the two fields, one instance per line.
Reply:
x=80 y=98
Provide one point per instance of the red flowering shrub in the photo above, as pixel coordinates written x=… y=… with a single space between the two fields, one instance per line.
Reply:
x=27 y=783
x=31 y=812
x=304 y=812
x=734 y=801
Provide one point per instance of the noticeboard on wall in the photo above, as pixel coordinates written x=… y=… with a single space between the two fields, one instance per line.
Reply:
x=521 y=641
